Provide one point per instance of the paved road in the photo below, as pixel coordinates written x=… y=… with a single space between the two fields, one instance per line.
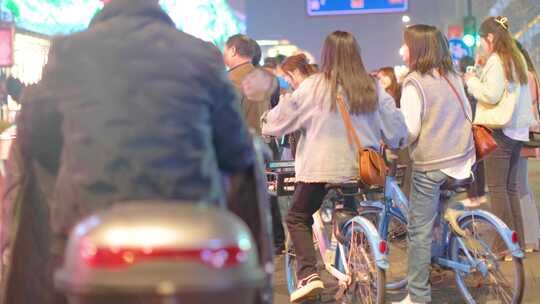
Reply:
x=444 y=291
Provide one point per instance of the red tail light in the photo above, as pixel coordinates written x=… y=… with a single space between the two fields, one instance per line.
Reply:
x=515 y=238
x=125 y=257
x=383 y=247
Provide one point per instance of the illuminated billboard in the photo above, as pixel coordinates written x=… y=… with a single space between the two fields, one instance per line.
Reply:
x=211 y=20
x=346 y=7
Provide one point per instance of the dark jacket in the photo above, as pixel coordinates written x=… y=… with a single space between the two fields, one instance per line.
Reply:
x=143 y=111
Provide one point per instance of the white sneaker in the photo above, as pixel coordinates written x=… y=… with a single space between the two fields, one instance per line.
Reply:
x=471 y=202
x=474 y=201
x=407 y=300
x=309 y=287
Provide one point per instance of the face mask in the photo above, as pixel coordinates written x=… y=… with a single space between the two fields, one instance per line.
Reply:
x=282 y=83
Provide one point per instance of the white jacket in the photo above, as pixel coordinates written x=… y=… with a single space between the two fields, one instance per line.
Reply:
x=491 y=87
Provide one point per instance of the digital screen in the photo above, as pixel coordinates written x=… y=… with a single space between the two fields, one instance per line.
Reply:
x=280 y=164
x=344 y=7
x=210 y=20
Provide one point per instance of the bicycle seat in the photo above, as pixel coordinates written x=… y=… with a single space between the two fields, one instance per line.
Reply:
x=457 y=185
x=351 y=188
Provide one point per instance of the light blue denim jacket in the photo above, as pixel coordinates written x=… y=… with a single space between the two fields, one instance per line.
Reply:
x=324 y=153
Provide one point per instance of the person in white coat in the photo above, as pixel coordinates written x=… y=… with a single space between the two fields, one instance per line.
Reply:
x=502 y=91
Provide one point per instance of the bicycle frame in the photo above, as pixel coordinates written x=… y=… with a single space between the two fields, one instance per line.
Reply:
x=331 y=251
x=396 y=205
x=335 y=256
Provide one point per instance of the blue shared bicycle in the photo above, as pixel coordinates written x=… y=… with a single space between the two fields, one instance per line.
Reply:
x=464 y=242
x=353 y=254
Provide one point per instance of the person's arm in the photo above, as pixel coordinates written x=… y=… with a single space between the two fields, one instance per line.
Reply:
x=39 y=125
x=490 y=89
x=466 y=101
x=411 y=107
x=282 y=119
x=393 y=126
x=290 y=113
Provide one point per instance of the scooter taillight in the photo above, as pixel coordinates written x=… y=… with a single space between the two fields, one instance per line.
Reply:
x=108 y=257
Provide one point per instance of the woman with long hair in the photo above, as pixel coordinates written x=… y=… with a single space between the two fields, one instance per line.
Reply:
x=529 y=210
x=388 y=80
x=436 y=112
x=503 y=82
x=324 y=154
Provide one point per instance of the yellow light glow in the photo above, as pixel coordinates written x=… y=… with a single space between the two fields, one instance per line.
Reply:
x=146 y=237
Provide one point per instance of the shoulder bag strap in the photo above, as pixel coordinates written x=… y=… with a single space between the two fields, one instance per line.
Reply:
x=351 y=132
x=460 y=100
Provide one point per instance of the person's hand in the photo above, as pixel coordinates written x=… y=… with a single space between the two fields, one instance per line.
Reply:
x=480 y=60
x=468 y=76
x=391 y=154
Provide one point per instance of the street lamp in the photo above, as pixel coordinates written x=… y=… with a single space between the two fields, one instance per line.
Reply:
x=406 y=19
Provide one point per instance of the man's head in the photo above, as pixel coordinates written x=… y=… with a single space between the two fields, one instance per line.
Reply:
x=238 y=50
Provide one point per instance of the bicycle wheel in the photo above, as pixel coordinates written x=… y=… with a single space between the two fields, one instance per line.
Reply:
x=501 y=282
x=396 y=275
x=367 y=281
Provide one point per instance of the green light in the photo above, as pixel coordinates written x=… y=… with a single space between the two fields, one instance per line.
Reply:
x=469 y=40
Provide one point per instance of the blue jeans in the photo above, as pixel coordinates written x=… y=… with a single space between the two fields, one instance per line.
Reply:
x=425 y=192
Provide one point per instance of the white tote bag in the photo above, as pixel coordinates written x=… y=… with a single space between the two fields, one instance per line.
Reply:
x=499 y=115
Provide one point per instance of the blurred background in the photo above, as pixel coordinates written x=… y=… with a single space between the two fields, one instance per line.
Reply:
x=281 y=26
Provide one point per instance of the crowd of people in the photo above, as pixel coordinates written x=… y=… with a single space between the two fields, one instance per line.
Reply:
x=133 y=109
x=438 y=103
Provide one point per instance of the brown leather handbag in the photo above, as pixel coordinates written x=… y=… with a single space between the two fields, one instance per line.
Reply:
x=484 y=143
x=371 y=164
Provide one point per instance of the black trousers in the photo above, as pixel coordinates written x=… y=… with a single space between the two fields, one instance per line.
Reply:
x=502 y=181
x=307 y=199
x=478 y=187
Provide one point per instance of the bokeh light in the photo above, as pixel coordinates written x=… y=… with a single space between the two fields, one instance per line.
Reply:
x=210 y=20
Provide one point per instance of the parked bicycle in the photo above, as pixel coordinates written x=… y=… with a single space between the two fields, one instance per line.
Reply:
x=355 y=254
x=463 y=241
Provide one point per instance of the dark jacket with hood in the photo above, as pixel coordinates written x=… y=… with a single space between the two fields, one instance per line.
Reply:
x=134 y=110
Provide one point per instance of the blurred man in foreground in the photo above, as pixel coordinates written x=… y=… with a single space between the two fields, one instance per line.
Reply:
x=131 y=109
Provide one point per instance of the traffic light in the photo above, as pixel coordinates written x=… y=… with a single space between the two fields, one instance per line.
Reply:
x=469 y=31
